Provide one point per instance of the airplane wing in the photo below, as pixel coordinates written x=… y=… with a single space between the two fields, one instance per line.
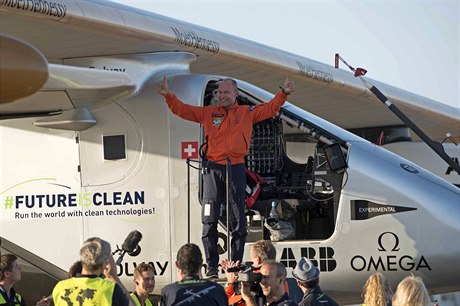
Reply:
x=67 y=29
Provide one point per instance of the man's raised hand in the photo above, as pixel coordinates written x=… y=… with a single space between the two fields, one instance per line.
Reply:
x=162 y=87
x=289 y=86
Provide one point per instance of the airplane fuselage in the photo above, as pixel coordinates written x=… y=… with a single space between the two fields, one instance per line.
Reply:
x=128 y=172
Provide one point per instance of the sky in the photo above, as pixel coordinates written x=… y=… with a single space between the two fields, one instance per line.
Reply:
x=413 y=45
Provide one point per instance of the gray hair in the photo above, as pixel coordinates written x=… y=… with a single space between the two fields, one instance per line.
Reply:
x=279 y=267
x=94 y=253
x=264 y=249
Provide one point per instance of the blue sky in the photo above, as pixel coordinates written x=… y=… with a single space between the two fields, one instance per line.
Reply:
x=413 y=45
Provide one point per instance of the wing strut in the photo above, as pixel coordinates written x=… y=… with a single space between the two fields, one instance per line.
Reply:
x=434 y=145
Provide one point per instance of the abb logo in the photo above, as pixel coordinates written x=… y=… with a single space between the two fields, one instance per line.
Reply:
x=322 y=257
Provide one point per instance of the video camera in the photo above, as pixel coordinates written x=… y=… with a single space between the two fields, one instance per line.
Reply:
x=247 y=273
x=249 y=276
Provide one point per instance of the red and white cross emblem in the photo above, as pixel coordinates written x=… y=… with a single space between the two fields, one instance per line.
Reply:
x=190 y=149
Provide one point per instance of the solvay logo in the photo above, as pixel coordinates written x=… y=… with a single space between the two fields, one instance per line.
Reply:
x=322 y=257
x=390 y=258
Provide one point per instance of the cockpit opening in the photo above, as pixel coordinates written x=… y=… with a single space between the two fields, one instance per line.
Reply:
x=304 y=178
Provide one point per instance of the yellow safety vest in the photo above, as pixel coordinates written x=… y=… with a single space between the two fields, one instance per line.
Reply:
x=17 y=299
x=84 y=291
x=138 y=303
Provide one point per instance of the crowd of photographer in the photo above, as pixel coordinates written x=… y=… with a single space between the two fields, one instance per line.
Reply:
x=262 y=281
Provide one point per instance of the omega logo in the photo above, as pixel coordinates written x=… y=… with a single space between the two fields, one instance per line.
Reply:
x=388 y=242
x=395 y=248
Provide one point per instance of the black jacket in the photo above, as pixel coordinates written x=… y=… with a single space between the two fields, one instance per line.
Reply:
x=193 y=291
x=316 y=297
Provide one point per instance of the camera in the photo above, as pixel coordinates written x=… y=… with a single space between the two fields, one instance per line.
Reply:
x=247 y=273
x=249 y=276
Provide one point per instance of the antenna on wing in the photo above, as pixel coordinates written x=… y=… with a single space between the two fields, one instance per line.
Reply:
x=434 y=145
x=358 y=71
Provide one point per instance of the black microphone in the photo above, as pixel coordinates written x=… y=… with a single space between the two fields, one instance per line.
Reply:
x=131 y=242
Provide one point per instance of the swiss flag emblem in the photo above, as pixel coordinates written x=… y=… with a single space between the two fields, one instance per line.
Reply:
x=190 y=149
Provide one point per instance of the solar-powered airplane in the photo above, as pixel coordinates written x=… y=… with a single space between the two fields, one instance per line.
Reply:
x=88 y=148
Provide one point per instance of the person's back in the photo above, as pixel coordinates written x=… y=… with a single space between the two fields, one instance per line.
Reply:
x=316 y=297
x=89 y=288
x=376 y=291
x=80 y=289
x=307 y=276
x=191 y=289
x=411 y=291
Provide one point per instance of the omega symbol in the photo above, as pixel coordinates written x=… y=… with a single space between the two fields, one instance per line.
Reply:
x=396 y=242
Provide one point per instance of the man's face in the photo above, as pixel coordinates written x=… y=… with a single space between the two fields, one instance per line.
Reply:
x=145 y=282
x=15 y=273
x=270 y=283
x=226 y=93
x=254 y=259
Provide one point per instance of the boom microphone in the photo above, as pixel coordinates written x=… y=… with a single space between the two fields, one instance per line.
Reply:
x=131 y=242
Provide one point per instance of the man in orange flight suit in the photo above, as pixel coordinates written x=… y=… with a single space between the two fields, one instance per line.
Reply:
x=228 y=130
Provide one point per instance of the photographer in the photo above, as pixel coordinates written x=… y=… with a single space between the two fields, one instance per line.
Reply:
x=261 y=251
x=272 y=284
